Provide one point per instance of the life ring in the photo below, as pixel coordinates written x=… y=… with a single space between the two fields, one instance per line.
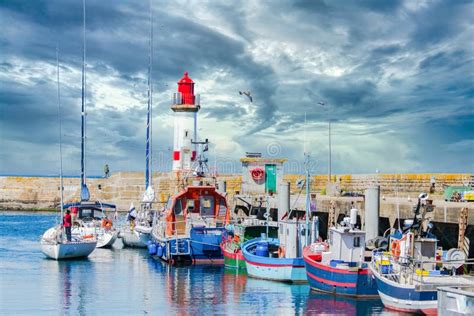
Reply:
x=88 y=236
x=281 y=252
x=395 y=248
x=257 y=174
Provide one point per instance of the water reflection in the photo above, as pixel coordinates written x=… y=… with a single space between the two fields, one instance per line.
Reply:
x=126 y=281
x=65 y=280
x=326 y=304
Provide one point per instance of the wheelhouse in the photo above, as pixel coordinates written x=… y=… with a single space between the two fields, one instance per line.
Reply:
x=200 y=202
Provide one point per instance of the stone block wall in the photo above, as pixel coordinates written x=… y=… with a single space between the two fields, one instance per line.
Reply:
x=123 y=188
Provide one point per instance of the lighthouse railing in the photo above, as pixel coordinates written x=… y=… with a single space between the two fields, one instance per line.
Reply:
x=186 y=98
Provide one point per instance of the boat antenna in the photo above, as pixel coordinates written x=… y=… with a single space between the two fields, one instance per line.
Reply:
x=149 y=120
x=60 y=137
x=84 y=190
x=304 y=135
x=308 y=206
x=307 y=182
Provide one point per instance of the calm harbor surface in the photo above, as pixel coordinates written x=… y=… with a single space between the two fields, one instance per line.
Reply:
x=126 y=281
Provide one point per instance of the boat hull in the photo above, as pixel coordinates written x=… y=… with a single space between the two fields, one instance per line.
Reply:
x=405 y=298
x=131 y=239
x=203 y=246
x=327 y=279
x=68 y=250
x=233 y=259
x=144 y=234
x=275 y=269
x=106 y=239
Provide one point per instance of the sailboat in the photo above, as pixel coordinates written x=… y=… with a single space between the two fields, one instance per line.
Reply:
x=137 y=232
x=53 y=242
x=92 y=216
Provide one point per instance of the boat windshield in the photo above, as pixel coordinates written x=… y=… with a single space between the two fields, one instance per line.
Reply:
x=207 y=205
x=178 y=207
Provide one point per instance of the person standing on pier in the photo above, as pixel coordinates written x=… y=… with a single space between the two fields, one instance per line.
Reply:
x=67 y=223
x=106 y=170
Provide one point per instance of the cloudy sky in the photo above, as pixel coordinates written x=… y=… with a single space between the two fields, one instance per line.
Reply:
x=397 y=78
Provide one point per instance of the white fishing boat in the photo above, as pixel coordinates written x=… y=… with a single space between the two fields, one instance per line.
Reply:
x=409 y=275
x=54 y=242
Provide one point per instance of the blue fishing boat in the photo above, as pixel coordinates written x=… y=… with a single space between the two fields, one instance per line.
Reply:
x=264 y=260
x=338 y=266
x=409 y=275
x=190 y=228
x=282 y=259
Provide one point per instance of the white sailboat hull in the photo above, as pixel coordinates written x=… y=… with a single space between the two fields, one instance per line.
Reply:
x=56 y=250
x=68 y=250
x=144 y=233
x=131 y=239
x=106 y=238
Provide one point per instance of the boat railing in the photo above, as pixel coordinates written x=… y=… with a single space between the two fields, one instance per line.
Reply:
x=159 y=227
x=409 y=269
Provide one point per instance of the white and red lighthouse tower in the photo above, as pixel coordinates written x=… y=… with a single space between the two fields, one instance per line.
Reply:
x=185 y=107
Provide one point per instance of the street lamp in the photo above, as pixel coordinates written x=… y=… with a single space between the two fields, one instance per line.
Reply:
x=329 y=140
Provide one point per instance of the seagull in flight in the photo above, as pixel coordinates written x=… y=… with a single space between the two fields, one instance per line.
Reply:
x=248 y=94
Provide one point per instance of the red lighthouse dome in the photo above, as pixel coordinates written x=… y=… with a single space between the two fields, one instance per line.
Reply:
x=186 y=88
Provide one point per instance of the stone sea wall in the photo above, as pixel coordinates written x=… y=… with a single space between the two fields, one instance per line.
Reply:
x=123 y=188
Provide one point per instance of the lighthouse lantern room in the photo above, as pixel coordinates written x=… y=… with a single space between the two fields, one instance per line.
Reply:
x=185 y=107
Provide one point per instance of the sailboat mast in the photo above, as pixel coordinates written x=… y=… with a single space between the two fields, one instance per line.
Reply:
x=60 y=136
x=148 y=171
x=84 y=190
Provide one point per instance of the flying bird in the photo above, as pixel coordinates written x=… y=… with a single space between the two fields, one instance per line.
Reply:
x=248 y=94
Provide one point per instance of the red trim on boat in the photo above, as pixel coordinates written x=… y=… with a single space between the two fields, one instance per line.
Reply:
x=331 y=269
x=426 y=311
x=344 y=284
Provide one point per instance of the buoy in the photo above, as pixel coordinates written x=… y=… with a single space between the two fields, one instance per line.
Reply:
x=159 y=251
x=152 y=249
x=262 y=249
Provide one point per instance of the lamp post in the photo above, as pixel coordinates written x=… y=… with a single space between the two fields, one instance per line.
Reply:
x=329 y=140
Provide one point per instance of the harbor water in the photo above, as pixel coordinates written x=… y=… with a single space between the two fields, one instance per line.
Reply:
x=122 y=281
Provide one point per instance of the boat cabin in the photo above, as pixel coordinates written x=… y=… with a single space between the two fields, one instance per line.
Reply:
x=196 y=203
x=90 y=210
x=346 y=244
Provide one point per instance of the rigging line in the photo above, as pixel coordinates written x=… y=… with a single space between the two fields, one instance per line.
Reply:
x=60 y=132
x=148 y=127
x=83 y=110
x=151 y=93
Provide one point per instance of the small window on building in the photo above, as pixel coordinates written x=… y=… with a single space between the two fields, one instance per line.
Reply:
x=356 y=241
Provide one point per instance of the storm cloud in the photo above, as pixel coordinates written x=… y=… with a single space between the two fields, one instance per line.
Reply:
x=396 y=78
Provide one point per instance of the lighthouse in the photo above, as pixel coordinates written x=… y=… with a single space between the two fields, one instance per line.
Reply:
x=185 y=107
